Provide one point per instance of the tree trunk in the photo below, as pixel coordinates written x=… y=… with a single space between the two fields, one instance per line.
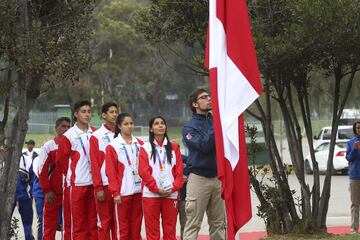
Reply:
x=306 y=116
x=338 y=107
x=12 y=159
x=286 y=212
x=28 y=93
x=8 y=87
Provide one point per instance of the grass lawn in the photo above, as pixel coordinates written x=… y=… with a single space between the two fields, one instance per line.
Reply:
x=314 y=237
x=175 y=133
x=39 y=139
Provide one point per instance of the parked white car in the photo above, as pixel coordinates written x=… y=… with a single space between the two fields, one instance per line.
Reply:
x=344 y=133
x=321 y=154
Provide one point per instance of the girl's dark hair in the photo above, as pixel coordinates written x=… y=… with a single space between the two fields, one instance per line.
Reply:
x=119 y=119
x=354 y=127
x=168 y=146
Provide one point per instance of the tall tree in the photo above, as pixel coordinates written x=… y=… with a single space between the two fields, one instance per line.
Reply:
x=293 y=39
x=333 y=33
x=41 y=41
x=126 y=64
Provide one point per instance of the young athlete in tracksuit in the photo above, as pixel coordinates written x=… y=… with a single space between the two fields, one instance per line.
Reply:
x=51 y=180
x=36 y=191
x=66 y=211
x=22 y=196
x=74 y=156
x=98 y=143
x=124 y=182
x=161 y=169
x=60 y=172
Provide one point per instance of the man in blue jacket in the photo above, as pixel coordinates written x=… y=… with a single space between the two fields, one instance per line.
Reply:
x=203 y=187
x=30 y=144
x=353 y=156
x=35 y=188
x=22 y=196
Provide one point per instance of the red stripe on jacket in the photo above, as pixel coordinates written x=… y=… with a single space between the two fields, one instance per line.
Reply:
x=96 y=159
x=114 y=170
x=62 y=156
x=49 y=179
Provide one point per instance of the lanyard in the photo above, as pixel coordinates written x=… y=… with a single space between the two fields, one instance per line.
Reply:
x=163 y=161
x=82 y=144
x=127 y=154
x=107 y=137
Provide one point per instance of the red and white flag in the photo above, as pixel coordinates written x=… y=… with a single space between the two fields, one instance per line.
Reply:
x=234 y=85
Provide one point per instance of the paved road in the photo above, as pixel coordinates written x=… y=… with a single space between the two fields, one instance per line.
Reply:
x=339 y=205
x=338 y=214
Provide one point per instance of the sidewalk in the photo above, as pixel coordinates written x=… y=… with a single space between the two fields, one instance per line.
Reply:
x=258 y=235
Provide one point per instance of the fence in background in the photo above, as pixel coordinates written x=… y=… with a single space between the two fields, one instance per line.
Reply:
x=43 y=123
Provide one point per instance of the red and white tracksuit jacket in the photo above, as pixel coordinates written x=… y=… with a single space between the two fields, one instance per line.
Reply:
x=73 y=156
x=153 y=174
x=50 y=181
x=99 y=140
x=122 y=170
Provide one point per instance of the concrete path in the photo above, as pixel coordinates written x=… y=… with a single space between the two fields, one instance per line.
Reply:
x=338 y=214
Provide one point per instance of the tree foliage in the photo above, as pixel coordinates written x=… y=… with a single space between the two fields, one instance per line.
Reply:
x=144 y=77
x=137 y=73
x=168 y=22
x=295 y=40
x=333 y=34
x=41 y=42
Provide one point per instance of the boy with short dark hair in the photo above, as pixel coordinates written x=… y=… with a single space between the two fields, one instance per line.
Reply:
x=73 y=157
x=103 y=197
x=50 y=181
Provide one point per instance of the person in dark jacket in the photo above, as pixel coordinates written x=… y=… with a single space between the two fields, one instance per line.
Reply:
x=203 y=187
x=353 y=156
x=22 y=196
x=36 y=191
x=30 y=144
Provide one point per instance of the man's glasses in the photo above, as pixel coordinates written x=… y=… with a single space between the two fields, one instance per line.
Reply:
x=204 y=97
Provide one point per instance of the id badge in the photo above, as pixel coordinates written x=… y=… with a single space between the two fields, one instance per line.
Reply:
x=165 y=182
x=137 y=179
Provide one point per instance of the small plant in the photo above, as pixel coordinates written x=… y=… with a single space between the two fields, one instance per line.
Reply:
x=14 y=229
x=267 y=189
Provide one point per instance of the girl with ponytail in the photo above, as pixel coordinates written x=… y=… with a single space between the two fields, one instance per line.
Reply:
x=124 y=182
x=161 y=169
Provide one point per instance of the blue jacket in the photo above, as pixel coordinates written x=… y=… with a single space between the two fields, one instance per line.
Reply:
x=25 y=178
x=36 y=189
x=198 y=135
x=353 y=156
